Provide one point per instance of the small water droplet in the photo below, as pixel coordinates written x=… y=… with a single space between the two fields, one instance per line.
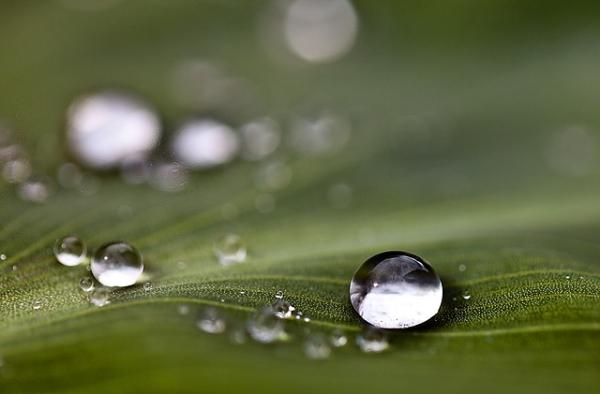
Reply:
x=242 y=292
x=409 y=292
x=211 y=321
x=316 y=347
x=462 y=267
x=466 y=295
x=148 y=286
x=261 y=138
x=86 y=284
x=372 y=341
x=169 y=177
x=338 y=338
x=35 y=189
x=117 y=264
x=306 y=319
x=15 y=267
x=37 y=305
x=230 y=249
x=279 y=294
x=183 y=309
x=205 y=143
x=274 y=175
x=265 y=327
x=100 y=296
x=322 y=135
x=283 y=309
x=2 y=257
x=106 y=128
x=70 y=251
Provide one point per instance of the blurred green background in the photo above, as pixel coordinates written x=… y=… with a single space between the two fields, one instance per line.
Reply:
x=474 y=141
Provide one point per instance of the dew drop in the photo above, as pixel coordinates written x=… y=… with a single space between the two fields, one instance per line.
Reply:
x=316 y=347
x=279 y=294
x=117 y=264
x=261 y=138
x=396 y=290
x=183 y=309
x=265 y=327
x=107 y=128
x=283 y=309
x=229 y=250
x=338 y=338
x=306 y=319
x=169 y=177
x=35 y=189
x=462 y=267
x=16 y=171
x=2 y=257
x=86 y=284
x=37 y=305
x=372 y=341
x=466 y=295
x=70 y=251
x=567 y=277
x=100 y=296
x=204 y=144
x=321 y=135
x=211 y=321
x=148 y=286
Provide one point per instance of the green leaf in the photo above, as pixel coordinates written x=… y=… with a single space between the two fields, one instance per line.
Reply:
x=448 y=159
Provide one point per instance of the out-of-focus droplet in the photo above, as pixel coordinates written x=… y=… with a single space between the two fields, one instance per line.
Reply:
x=205 y=143
x=100 y=296
x=321 y=135
x=183 y=309
x=135 y=170
x=264 y=203
x=396 y=290
x=2 y=257
x=339 y=195
x=148 y=286
x=466 y=295
x=37 y=305
x=462 y=267
x=279 y=294
x=230 y=249
x=316 y=347
x=372 y=341
x=238 y=335
x=211 y=321
x=117 y=264
x=107 y=128
x=338 y=338
x=265 y=327
x=283 y=309
x=261 y=138
x=320 y=30
x=16 y=171
x=70 y=251
x=169 y=177
x=573 y=151
x=86 y=284
x=274 y=175
x=35 y=189
x=69 y=176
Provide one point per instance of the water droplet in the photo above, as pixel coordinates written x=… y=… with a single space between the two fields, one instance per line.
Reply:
x=148 y=286
x=183 y=309
x=274 y=175
x=466 y=295
x=306 y=319
x=69 y=176
x=86 y=284
x=117 y=264
x=320 y=31
x=462 y=267
x=279 y=294
x=230 y=249
x=238 y=335
x=37 y=305
x=105 y=129
x=2 y=257
x=211 y=321
x=242 y=292
x=100 y=296
x=16 y=171
x=316 y=347
x=265 y=327
x=264 y=203
x=339 y=195
x=568 y=277
x=283 y=309
x=70 y=251
x=169 y=177
x=321 y=135
x=338 y=338
x=205 y=144
x=35 y=189
x=408 y=290
x=372 y=341
x=261 y=138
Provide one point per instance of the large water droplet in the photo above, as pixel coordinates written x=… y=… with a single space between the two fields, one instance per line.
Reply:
x=317 y=347
x=211 y=321
x=100 y=296
x=205 y=144
x=230 y=249
x=70 y=251
x=396 y=290
x=107 y=128
x=117 y=264
x=265 y=327
x=372 y=341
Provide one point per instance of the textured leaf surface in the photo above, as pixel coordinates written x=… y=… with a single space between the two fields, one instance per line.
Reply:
x=448 y=159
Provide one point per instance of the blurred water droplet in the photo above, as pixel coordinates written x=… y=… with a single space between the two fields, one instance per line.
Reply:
x=372 y=341
x=148 y=286
x=211 y=321
x=35 y=189
x=37 y=305
x=283 y=309
x=306 y=319
x=261 y=138
x=339 y=195
x=264 y=203
x=279 y=294
x=183 y=309
x=100 y=296
x=230 y=249
x=462 y=267
x=338 y=338
x=242 y=292
x=316 y=347
x=16 y=171
x=274 y=175
x=265 y=327
x=117 y=264
x=396 y=290
x=70 y=251
x=322 y=135
x=169 y=177
x=86 y=284
x=568 y=277
x=466 y=295
x=107 y=128
x=205 y=143
x=69 y=176
x=320 y=31
x=238 y=335
x=2 y=257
